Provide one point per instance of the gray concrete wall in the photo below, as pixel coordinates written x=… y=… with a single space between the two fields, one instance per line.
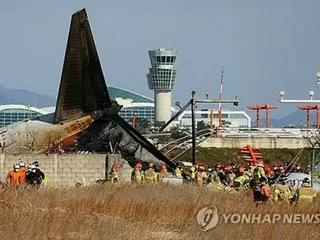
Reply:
x=61 y=170
x=268 y=143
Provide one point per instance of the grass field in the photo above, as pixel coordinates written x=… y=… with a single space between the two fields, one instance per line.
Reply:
x=140 y=211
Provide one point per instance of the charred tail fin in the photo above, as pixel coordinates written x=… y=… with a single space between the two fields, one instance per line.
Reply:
x=83 y=88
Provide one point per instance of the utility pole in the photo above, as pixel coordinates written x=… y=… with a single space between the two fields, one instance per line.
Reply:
x=193 y=125
x=220 y=98
x=192 y=102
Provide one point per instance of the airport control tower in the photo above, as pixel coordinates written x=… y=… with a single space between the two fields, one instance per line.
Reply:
x=161 y=79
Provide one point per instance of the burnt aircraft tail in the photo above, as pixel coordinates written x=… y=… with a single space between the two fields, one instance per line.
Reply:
x=83 y=88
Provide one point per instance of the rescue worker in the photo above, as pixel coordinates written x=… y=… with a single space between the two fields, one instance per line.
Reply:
x=163 y=173
x=28 y=169
x=230 y=175
x=114 y=173
x=204 y=174
x=276 y=170
x=262 y=192
x=150 y=174
x=222 y=175
x=308 y=168
x=306 y=193
x=197 y=165
x=177 y=173
x=282 y=192
x=192 y=173
x=22 y=171
x=282 y=169
x=240 y=181
x=293 y=169
x=234 y=168
x=137 y=174
x=39 y=172
x=14 y=176
x=34 y=178
x=214 y=178
x=299 y=168
x=200 y=175
x=258 y=172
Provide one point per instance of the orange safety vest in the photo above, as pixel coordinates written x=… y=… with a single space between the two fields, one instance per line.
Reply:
x=22 y=171
x=13 y=177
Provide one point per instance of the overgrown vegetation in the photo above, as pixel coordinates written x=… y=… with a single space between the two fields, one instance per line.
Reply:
x=139 y=211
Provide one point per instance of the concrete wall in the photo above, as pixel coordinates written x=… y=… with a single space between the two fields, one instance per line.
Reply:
x=268 y=143
x=61 y=170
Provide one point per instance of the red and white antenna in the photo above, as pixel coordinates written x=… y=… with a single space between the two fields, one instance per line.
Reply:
x=220 y=98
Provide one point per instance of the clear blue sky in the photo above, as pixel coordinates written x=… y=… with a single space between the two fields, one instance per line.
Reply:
x=265 y=46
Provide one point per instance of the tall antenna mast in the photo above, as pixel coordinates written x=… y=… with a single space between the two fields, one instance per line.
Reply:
x=220 y=98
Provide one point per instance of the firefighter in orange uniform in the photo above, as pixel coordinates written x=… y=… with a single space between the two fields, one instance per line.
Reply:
x=22 y=171
x=163 y=173
x=14 y=176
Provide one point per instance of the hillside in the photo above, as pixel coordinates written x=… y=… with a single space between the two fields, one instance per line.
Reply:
x=296 y=118
x=25 y=97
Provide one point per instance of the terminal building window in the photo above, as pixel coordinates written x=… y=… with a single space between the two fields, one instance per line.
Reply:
x=141 y=112
x=12 y=115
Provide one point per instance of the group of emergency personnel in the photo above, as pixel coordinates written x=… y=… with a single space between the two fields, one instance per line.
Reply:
x=26 y=174
x=267 y=184
x=149 y=175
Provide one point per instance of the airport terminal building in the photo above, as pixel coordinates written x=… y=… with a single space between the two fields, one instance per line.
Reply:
x=133 y=103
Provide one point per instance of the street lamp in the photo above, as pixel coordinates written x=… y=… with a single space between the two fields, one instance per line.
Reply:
x=177 y=103
x=311 y=100
x=207 y=94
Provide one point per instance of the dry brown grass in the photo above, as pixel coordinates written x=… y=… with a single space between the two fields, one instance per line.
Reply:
x=140 y=211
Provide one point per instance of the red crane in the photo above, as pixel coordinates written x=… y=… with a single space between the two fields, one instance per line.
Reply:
x=308 y=108
x=259 y=107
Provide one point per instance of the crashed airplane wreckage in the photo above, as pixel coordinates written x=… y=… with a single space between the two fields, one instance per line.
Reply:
x=85 y=117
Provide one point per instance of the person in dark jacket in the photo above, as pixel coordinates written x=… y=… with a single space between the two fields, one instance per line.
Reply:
x=38 y=171
x=33 y=178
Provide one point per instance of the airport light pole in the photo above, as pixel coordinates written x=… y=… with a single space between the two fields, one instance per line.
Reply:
x=193 y=101
x=315 y=145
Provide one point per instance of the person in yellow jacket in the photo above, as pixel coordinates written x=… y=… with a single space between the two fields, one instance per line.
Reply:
x=258 y=171
x=177 y=173
x=193 y=173
x=241 y=180
x=163 y=173
x=150 y=175
x=137 y=174
x=306 y=193
x=214 y=177
x=282 y=192
x=201 y=175
x=114 y=174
